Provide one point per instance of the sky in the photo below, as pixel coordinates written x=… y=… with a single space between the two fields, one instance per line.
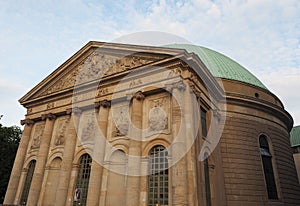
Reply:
x=38 y=36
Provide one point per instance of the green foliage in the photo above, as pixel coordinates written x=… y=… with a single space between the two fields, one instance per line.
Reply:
x=9 y=141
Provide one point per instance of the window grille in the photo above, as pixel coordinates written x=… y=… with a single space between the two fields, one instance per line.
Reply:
x=158 y=179
x=27 y=182
x=82 y=183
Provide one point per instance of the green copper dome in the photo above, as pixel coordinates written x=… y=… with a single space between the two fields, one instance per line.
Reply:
x=295 y=136
x=220 y=65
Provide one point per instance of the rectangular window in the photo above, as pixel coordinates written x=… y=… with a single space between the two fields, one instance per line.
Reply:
x=203 y=122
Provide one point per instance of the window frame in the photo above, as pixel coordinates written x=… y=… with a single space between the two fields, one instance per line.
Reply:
x=268 y=168
x=27 y=182
x=82 y=179
x=203 y=117
x=158 y=179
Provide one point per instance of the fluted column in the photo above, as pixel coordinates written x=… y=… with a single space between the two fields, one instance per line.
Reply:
x=134 y=160
x=98 y=154
x=38 y=174
x=19 y=161
x=66 y=165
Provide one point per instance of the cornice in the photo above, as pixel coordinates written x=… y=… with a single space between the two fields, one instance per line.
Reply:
x=264 y=106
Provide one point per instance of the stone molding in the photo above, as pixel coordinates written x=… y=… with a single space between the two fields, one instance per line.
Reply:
x=180 y=85
x=27 y=122
x=104 y=103
x=75 y=110
x=139 y=96
x=49 y=116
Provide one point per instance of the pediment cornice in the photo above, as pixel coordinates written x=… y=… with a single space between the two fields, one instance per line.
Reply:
x=95 y=60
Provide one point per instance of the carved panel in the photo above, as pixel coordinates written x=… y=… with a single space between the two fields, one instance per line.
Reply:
x=121 y=121
x=88 y=127
x=135 y=82
x=101 y=92
x=158 y=112
x=158 y=119
x=60 y=131
x=37 y=135
x=50 y=105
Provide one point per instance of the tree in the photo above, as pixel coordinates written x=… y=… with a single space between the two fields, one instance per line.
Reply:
x=9 y=141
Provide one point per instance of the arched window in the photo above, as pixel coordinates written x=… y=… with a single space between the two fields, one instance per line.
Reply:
x=82 y=183
x=158 y=179
x=27 y=182
x=268 y=168
x=207 y=181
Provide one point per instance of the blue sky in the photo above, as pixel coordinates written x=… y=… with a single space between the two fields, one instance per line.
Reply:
x=38 y=36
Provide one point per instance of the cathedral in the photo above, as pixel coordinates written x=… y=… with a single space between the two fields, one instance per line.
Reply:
x=179 y=124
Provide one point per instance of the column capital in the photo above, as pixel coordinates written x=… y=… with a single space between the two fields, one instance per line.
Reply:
x=139 y=96
x=104 y=103
x=180 y=85
x=75 y=110
x=49 y=116
x=27 y=122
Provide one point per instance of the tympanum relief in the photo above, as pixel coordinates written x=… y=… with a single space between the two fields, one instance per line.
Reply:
x=96 y=66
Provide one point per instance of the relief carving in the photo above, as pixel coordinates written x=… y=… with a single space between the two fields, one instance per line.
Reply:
x=174 y=73
x=121 y=119
x=50 y=105
x=60 y=136
x=94 y=67
x=135 y=82
x=36 y=139
x=88 y=131
x=101 y=92
x=158 y=118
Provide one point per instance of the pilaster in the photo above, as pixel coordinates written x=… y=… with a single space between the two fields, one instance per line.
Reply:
x=19 y=163
x=38 y=175
x=62 y=197
x=178 y=150
x=134 y=156
x=94 y=190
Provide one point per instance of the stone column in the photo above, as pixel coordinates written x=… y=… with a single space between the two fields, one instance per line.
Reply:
x=191 y=109
x=98 y=154
x=21 y=186
x=38 y=174
x=178 y=149
x=66 y=165
x=134 y=158
x=19 y=161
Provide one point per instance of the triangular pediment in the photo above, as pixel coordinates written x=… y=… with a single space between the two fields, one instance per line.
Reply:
x=95 y=60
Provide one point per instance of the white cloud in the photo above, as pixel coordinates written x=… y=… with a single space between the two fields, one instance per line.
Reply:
x=264 y=36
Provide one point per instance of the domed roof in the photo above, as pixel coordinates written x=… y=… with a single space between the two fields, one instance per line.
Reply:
x=295 y=136
x=220 y=65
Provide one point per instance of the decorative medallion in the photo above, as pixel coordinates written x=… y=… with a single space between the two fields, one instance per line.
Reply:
x=158 y=119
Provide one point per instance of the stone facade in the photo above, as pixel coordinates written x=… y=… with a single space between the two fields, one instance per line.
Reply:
x=92 y=128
